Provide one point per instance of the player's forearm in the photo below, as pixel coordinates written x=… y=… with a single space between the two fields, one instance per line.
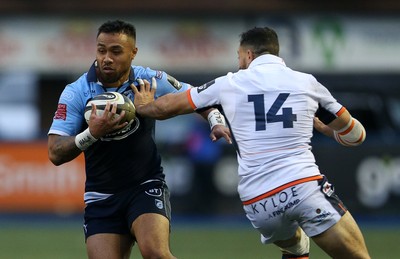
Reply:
x=165 y=107
x=322 y=128
x=62 y=149
x=340 y=121
x=153 y=110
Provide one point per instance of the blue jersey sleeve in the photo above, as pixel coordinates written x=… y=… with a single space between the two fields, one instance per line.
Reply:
x=68 y=119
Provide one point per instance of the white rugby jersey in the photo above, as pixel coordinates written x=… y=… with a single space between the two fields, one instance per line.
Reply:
x=270 y=110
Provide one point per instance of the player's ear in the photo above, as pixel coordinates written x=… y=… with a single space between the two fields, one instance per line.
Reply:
x=134 y=52
x=250 y=55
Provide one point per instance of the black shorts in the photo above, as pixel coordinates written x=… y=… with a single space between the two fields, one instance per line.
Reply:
x=116 y=213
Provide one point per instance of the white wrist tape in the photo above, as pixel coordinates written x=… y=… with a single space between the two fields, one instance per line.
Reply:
x=353 y=134
x=84 y=139
x=216 y=118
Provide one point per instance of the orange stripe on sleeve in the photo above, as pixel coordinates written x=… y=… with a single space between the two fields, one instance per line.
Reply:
x=190 y=100
x=341 y=111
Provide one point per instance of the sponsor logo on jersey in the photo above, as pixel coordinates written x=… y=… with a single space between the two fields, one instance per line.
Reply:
x=61 y=113
x=156 y=192
x=322 y=215
x=205 y=86
x=278 y=204
x=262 y=208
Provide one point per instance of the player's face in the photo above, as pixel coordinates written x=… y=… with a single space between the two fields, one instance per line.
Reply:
x=244 y=58
x=115 y=52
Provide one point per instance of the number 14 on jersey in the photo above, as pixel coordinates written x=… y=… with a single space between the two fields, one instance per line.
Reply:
x=286 y=117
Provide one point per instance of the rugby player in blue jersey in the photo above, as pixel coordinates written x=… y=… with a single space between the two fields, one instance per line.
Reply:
x=126 y=197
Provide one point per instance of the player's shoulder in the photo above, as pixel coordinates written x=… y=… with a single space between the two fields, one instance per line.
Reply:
x=303 y=75
x=238 y=77
x=76 y=90
x=147 y=72
x=80 y=83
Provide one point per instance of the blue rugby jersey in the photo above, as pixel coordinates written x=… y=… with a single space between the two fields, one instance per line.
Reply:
x=116 y=161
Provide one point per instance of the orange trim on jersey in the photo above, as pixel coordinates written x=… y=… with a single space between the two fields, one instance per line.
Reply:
x=341 y=111
x=190 y=99
x=282 y=187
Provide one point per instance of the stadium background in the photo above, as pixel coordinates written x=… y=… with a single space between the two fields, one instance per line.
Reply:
x=353 y=48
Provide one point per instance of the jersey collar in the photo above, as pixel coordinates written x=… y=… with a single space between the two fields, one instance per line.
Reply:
x=267 y=59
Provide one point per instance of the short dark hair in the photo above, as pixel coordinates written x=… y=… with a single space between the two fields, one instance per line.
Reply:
x=261 y=40
x=118 y=26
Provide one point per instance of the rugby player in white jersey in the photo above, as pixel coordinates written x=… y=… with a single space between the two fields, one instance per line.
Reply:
x=271 y=111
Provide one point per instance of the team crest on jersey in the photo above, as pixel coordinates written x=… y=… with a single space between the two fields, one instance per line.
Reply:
x=159 y=203
x=205 y=86
x=125 y=132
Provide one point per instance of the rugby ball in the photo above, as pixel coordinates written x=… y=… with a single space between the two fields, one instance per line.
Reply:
x=122 y=101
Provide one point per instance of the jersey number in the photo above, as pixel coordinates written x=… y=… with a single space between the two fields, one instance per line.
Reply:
x=287 y=117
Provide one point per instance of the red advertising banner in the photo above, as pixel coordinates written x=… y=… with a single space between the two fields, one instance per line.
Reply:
x=29 y=182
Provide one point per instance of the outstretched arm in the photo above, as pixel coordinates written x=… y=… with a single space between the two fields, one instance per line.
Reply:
x=164 y=107
x=171 y=105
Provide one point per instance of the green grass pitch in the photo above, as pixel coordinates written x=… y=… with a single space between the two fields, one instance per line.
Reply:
x=188 y=241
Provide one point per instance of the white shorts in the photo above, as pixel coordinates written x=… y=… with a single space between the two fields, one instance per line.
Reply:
x=312 y=205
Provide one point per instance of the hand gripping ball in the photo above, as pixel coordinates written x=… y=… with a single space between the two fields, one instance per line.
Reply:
x=122 y=101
